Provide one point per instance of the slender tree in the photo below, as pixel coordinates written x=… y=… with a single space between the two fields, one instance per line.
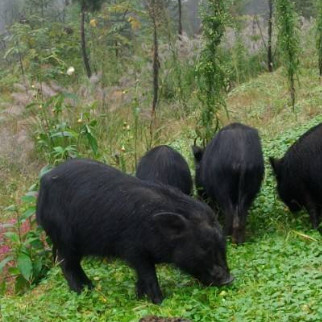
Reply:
x=319 y=34
x=289 y=42
x=270 y=32
x=155 y=9
x=87 y=5
x=83 y=41
x=180 y=18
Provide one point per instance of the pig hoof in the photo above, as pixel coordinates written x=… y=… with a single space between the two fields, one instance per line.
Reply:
x=157 y=300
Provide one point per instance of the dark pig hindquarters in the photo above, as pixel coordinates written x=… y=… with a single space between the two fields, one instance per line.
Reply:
x=229 y=173
x=165 y=165
x=299 y=175
x=88 y=208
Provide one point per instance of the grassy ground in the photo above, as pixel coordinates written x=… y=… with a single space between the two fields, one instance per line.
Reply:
x=278 y=270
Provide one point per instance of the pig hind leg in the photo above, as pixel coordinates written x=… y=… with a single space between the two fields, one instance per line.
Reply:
x=314 y=209
x=72 y=270
x=248 y=186
x=315 y=215
x=227 y=198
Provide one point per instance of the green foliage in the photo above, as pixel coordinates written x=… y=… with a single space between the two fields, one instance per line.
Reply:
x=210 y=75
x=29 y=257
x=319 y=34
x=59 y=135
x=267 y=288
x=289 y=42
x=44 y=52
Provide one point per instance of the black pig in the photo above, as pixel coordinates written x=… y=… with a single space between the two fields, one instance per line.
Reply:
x=229 y=173
x=88 y=208
x=165 y=165
x=298 y=175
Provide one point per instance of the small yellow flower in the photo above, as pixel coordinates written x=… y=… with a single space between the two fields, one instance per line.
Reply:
x=123 y=148
x=79 y=120
x=93 y=23
x=135 y=23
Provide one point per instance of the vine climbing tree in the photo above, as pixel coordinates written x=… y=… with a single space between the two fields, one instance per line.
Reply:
x=289 y=42
x=209 y=72
x=319 y=34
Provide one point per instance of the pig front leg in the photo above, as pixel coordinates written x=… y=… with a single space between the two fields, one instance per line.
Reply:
x=147 y=283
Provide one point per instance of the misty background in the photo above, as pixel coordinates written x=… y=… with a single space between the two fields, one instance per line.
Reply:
x=12 y=11
x=16 y=10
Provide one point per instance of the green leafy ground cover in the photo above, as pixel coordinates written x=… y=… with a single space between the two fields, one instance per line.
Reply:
x=278 y=270
x=278 y=273
x=278 y=277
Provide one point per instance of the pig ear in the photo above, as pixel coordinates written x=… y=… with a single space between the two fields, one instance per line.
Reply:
x=172 y=225
x=275 y=163
x=197 y=152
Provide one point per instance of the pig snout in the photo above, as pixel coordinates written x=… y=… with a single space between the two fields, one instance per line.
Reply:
x=220 y=276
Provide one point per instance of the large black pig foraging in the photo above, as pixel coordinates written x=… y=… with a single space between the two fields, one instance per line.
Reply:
x=88 y=208
x=299 y=175
x=229 y=173
x=165 y=165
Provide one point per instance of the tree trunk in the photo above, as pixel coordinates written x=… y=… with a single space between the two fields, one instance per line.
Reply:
x=292 y=91
x=320 y=54
x=180 y=18
x=156 y=66
x=269 y=43
x=83 y=40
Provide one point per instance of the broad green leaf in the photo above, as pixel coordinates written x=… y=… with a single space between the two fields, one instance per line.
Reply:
x=37 y=266
x=70 y=134
x=12 y=208
x=29 y=197
x=14 y=237
x=28 y=213
x=21 y=285
x=24 y=265
x=59 y=149
x=33 y=188
x=8 y=52
x=13 y=271
x=92 y=142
